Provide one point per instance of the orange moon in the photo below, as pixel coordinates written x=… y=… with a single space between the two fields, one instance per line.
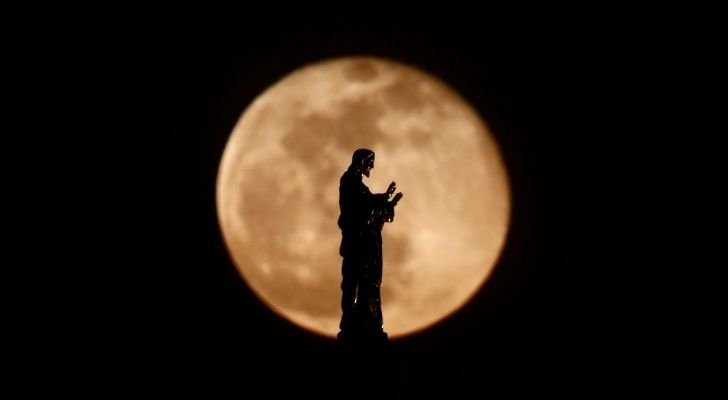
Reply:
x=278 y=181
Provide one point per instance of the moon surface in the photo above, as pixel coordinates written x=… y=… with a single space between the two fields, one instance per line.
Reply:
x=278 y=181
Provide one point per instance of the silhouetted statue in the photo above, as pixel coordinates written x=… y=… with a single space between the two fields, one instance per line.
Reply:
x=363 y=215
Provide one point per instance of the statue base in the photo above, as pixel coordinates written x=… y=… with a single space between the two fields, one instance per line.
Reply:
x=362 y=336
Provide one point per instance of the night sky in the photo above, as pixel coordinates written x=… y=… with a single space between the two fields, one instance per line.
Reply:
x=555 y=316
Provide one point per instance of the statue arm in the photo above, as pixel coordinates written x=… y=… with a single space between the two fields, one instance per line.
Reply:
x=382 y=199
x=387 y=211
x=375 y=200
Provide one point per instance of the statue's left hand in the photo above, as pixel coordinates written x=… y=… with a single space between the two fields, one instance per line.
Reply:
x=397 y=197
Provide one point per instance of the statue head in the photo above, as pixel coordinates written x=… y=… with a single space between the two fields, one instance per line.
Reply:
x=363 y=161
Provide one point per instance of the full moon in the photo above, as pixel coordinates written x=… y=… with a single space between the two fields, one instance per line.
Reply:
x=278 y=191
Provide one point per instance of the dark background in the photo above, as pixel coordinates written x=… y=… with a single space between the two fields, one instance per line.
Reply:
x=560 y=314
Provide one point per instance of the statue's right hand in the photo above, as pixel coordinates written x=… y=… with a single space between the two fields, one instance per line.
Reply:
x=392 y=187
x=397 y=197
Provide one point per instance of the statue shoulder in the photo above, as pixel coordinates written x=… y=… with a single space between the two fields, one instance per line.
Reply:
x=349 y=178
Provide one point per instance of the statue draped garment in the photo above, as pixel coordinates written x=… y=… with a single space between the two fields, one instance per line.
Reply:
x=363 y=215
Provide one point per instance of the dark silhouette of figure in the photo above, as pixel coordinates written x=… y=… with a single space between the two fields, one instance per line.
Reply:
x=363 y=215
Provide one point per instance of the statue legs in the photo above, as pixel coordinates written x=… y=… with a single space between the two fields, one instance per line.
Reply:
x=351 y=276
x=361 y=303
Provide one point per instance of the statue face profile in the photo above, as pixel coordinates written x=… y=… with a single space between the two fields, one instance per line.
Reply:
x=368 y=167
